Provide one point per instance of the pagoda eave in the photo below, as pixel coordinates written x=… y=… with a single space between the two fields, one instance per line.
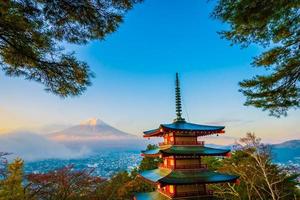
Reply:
x=147 y=180
x=191 y=133
x=186 y=151
x=183 y=182
x=191 y=154
x=186 y=177
x=150 y=196
x=186 y=128
x=159 y=196
x=152 y=155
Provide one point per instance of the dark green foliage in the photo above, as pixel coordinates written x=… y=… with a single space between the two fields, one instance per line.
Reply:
x=151 y=146
x=212 y=162
x=148 y=162
x=30 y=31
x=274 y=25
x=122 y=186
x=127 y=191
x=109 y=190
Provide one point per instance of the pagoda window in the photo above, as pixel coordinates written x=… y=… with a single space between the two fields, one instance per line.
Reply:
x=187 y=141
x=164 y=189
x=172 y=163
x=171 y=189
x=166 y=140
x=172 y=139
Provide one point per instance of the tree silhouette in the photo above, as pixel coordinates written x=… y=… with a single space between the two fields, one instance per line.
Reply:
x=31 y=31
x=275 y=26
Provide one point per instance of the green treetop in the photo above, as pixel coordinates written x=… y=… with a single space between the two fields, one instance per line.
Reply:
x=275 y=26
x=11 y=187
x=30 y=31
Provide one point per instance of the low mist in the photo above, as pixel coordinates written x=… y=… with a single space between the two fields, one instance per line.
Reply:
x=31 y=146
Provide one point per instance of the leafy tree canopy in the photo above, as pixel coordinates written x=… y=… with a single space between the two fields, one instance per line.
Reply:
x=64 y=183
x=259 y=177
x=31 y=30
x=274 y=25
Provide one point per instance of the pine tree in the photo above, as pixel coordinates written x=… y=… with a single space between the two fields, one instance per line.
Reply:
x=273 y=24
x=31 y=31
x=11 y=187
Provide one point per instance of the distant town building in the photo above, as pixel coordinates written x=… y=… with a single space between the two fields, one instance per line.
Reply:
x=181 y=175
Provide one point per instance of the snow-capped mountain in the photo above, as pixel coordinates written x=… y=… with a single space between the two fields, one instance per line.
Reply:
x=91 y=130
x=96 y=134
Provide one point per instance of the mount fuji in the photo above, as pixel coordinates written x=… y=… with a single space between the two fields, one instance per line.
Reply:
x=96 y=134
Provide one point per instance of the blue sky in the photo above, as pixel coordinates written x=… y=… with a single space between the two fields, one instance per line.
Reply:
x=135 y=70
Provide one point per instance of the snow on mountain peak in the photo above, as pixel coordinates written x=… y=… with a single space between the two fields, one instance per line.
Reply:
x=92 y=122
x=91 y=130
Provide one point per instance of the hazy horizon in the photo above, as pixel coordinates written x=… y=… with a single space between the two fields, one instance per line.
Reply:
x=134 y=86
x=89 y=138
x=221 y=139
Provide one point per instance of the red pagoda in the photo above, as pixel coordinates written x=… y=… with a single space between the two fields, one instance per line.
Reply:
x=181 y=174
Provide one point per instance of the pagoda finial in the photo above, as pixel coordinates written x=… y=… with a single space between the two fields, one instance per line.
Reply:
x=178 y=101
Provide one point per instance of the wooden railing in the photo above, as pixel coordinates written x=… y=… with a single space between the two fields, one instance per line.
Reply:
x=200 y=143
x=186 y=166
x=192 y=166
x=194 y=193
x=188 y=194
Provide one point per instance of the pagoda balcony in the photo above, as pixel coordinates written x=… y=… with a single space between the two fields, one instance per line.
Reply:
x=200 y=143
x=194 y=193
x=207 y=193
x=182 y=167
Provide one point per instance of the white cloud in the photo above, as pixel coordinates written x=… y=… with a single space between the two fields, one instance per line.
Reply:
x=30 y=146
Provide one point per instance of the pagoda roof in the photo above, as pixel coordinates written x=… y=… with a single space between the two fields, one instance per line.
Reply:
x=152 y=152
x=150 y=196
x=184 y=126
x=187 y=150
x=155 y=175
x=185 y=177
x=158 y=196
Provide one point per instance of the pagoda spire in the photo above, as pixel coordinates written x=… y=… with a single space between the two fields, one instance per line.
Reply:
x=178 y=102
